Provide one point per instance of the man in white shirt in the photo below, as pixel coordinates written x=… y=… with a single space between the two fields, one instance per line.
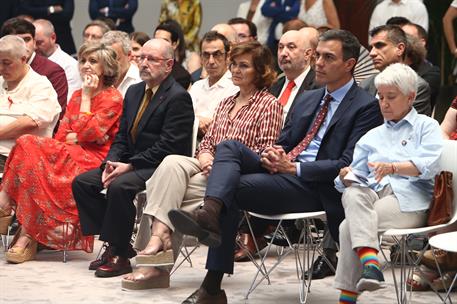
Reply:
x=128 y=73
x=208 y=92
x=414 y=10
x=46 y=45
x=28 y=102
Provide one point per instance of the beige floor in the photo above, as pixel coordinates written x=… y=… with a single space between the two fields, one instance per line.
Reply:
x=48 y=280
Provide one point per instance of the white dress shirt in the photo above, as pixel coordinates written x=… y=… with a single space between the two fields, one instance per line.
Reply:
x=414 y=10
x=131 y=77
x=70 y=66
x=35 y=97
x=206 y=98
x=298 y=82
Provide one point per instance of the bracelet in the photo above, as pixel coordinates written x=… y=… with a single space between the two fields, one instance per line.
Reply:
x=394 y=168
x=86 y=113
x=51 y=9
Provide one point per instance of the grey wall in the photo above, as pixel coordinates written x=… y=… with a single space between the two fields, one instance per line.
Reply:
x=147 y=15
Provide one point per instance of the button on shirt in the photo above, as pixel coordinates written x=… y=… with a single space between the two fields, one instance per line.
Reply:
x=416 y=138
x=311 y=152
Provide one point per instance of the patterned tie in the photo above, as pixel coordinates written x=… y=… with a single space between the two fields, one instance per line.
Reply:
x=313 y=131
x=144 y=104
x=286 y=94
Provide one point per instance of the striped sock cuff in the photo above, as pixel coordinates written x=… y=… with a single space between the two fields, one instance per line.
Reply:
x=368 y=257
x=348 y=297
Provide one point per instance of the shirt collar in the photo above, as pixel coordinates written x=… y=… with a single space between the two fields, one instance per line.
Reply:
x=339 y=93
x=401 y=2
x=132 y=72
x=223 y=82
x=299 y=79
x=410 y=118
x=31 y=58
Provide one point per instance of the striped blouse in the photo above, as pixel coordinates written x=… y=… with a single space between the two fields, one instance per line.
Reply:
x=257 y=124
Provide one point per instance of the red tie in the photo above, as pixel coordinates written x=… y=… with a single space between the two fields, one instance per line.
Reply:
x=286 y=94
x=312 y=132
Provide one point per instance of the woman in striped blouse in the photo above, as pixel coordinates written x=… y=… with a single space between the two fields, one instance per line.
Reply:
x=252 y=116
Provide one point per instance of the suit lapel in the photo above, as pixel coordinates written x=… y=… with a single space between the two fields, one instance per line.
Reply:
x=277 y=87
x=135 y=103
x=343 y=107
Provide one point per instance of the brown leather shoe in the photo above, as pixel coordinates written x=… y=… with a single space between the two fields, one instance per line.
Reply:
x=116 y=266
x=203 y=223
x=107 y=255
x=200 y=296
x=247 y=247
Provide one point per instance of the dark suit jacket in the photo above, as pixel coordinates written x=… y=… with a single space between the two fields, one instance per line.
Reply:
x=307 y=84
x=181 y=75
x=357 y=113
x=38 y=9
x=56 y=76
x=431 y=74
x=422 y=103
x=122 y=10
x=165 y=127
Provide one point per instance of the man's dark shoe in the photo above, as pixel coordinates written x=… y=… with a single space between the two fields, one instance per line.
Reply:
x=108 y=254
x=280 y=240
x=247 y=247
x=200 y=296
x=116 y=266
x=372 y=279
x=203 y=223
x=321 y=269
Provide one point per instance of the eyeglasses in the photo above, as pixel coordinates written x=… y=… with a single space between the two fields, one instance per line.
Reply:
x=217 y=55
x=242 y=66
x=152 y=59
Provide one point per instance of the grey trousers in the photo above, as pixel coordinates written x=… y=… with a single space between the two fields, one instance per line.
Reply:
x=176 y=183
x=367 y=212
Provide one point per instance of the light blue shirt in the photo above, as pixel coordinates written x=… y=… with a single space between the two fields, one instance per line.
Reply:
x=415 y=138
x=311 y=151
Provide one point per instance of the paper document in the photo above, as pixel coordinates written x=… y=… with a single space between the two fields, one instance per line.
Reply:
x=356 y=177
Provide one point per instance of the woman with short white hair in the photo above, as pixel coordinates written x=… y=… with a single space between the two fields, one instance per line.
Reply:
x=389 y=183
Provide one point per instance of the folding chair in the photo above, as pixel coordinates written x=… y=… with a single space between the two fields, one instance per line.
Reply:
x=448 y=162
x=447 y=242
x=303 y=260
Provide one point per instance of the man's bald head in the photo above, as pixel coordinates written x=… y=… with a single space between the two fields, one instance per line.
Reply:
x=227 y=31
x=45 y=37
x=311 y=36
x=294 y=54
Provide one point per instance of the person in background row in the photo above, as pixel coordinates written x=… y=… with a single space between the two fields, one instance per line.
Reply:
x=448 y=27
x=170 y=31
x=319 y=13
x=46 y=46
x=137 y=40
x=251 y=10
x=245 y=29
x=190 y=21
x=38 y=63
x=128 y=73
x=95 y=30
x=120 y=11
x=59 y=13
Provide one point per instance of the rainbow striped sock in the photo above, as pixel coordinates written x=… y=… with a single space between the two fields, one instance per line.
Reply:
x=368 y=257
x=348 y=297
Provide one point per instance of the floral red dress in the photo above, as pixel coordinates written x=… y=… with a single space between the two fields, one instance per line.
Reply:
x=39 y=171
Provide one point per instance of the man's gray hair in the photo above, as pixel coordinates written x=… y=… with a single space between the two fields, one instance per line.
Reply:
x=399 y=75
x=14 y=45
x=48 y=28
x=112 y=37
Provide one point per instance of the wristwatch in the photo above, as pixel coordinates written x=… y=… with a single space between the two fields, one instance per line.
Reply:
x=51 y=9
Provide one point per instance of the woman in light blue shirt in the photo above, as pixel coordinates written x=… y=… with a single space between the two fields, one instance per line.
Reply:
x=389 y=183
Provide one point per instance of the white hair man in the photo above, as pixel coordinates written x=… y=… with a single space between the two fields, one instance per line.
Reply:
x=46 y=45
x=128 y=73
x=28 y=102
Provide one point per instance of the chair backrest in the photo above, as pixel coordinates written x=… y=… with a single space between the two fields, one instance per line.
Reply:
x=194 y=135
x=448 y=162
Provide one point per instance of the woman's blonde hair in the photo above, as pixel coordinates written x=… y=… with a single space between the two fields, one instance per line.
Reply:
x=108 y=58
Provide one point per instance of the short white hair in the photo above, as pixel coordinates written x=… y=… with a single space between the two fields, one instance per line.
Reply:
x=112 y=37
x=399 y=75
x=13 y=45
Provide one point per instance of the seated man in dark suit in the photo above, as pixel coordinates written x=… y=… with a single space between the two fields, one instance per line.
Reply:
x=156 y=121
x=296 y=175
x=39 y=64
